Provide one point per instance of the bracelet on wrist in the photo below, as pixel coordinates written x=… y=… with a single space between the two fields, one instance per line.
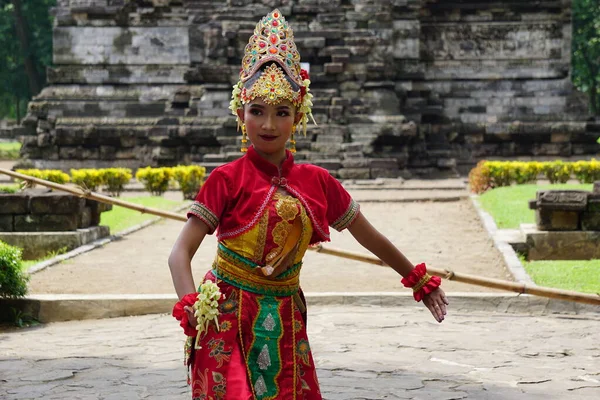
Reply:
x=421 y=282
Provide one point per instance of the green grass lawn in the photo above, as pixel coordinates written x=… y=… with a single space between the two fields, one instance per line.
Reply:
x=119 y=218
x=509 y=205
x=509 y=208
x=579 y=276
x=9 y=150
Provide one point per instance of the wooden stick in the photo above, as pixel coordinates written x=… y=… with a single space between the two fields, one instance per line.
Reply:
x=87 y=194
x=476 y=280
x=443 y=273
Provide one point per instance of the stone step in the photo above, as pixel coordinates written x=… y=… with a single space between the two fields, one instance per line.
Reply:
x=212 y=158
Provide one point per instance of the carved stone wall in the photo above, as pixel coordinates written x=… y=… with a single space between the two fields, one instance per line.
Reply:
x=418 y=85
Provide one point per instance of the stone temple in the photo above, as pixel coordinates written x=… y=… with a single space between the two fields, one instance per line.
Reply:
x=401 y=86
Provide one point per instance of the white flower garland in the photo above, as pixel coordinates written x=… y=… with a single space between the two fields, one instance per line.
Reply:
x=206 y=308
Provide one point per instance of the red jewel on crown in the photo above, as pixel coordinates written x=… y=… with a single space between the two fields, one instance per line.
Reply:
x=275 y=23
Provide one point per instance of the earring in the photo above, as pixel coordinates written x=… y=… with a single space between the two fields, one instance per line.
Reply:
x=292 y=140
x=244 y=139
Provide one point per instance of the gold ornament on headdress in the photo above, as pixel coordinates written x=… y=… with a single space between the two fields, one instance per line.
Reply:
x=272 y=87
x=273 y=41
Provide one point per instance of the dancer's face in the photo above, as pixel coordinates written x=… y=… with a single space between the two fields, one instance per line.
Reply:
x=269 y=126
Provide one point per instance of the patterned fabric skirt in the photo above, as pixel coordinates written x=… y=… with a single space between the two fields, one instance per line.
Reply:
x=259 y=351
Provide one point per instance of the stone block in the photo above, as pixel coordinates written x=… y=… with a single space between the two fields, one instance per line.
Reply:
x=593 y=204
x=446 y=163
x=356 y=163
x=354 y=173
x=116 y=45
x=14 y=204
x=557 y=220
x=582 y=245
x=45 y=222
x=385 y=173
x=590 y=221
x=597 y=187
x=36 y=245
x=6 y=223
x=334 y=68
x=56 y=203
x=330 y=165
x=84 y=218
x=383 y=163
x=560 y=137
x=310 y=42
x=563 y=200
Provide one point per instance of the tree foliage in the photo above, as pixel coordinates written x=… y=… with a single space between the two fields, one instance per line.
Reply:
x=586 y=50
x=23 y=58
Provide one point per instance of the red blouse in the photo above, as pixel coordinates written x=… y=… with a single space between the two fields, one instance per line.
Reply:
x=235 y=195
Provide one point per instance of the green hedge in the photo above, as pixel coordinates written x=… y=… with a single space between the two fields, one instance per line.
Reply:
x=156 y=180
x=13 y=282
x=490 y=174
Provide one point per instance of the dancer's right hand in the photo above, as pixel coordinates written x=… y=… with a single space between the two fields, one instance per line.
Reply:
x=191 y=317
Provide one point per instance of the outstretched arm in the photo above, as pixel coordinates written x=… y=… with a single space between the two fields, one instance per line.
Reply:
x=372 y=240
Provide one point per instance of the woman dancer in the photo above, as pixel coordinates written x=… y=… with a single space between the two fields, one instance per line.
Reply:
x=246 y=324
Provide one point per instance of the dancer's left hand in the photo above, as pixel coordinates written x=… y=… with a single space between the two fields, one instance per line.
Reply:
x=436 y=302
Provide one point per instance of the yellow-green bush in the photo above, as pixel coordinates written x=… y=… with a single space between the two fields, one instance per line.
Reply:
x=87 y=178
x=524 y=172
x=500 y=173
x=490 y=174
x=115 y=179
x=155 y=180
x=189 y=178
x=557 y=171
x=587 y=171
x=51 y=175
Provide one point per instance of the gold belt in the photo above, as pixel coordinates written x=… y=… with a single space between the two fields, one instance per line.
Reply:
x=240 y=272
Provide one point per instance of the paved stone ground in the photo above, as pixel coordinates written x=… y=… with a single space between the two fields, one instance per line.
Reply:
x=361 y=353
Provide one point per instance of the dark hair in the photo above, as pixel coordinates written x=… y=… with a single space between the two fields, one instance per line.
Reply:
x=259 y=73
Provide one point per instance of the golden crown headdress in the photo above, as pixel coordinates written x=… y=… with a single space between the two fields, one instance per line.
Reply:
x=273 y=41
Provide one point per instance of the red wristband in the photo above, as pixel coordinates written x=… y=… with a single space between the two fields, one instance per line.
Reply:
x=182 y=316
x=421 y=282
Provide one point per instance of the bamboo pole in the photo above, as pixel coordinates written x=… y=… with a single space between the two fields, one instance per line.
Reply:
x=517 y=287
x=87 y=194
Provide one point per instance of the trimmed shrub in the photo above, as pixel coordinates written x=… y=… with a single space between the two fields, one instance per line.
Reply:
x=525 y=172
x=500 y=173
x=13 y=282
x=557 y=171
x=189 y=178
x=479 y=178
x=52 y=175
x=155 y=180
x=587 y=171
x=89 y=179
x=115 y=179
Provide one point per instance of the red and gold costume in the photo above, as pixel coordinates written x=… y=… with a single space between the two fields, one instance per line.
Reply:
x=265 y=217
x=252 y=342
